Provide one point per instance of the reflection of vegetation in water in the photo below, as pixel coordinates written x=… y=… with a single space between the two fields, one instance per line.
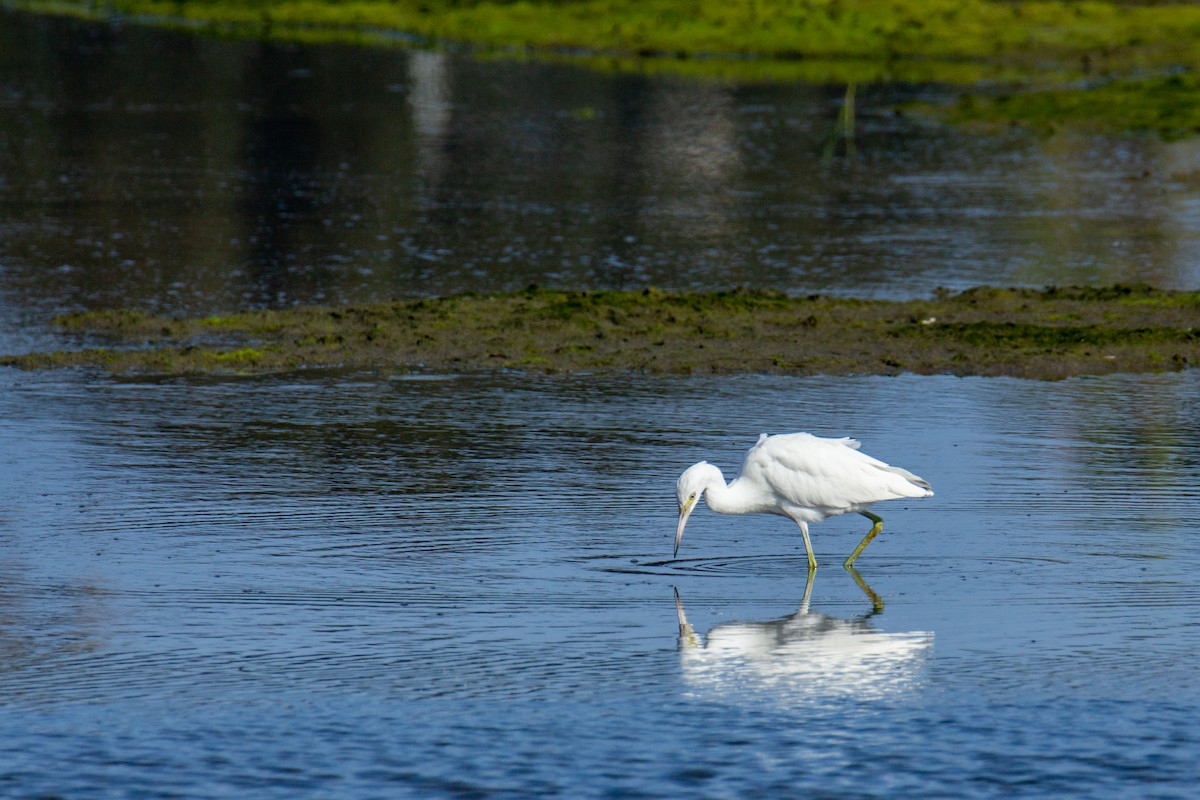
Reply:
x=844 y=129
x=956 y=41
x=1047 y=334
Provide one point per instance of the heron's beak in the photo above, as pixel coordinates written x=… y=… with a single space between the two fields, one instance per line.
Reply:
x=685 y=511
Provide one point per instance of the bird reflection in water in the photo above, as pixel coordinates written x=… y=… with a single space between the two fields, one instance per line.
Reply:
x=805 y=656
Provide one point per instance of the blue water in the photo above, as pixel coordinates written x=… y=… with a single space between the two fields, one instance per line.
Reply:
x=369 y=586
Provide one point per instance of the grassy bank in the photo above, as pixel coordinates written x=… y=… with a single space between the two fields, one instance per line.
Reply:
x=1033 y=33
x=1047 y=334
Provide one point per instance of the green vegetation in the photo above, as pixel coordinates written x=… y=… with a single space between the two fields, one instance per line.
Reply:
x=1046 y=334
x=1065 y=55
x=1031 y=33
x=1169 y=106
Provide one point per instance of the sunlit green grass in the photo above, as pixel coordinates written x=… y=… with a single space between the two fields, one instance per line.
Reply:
x=1030 y=31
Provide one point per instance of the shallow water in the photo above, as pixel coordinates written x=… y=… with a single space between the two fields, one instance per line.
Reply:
x=355 y=585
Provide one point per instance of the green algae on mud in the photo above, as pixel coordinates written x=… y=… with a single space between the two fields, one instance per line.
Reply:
x=1106 y=35
x=1166 y=105
x=1046 y=334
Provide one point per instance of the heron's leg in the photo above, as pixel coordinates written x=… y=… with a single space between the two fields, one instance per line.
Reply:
x=876 y=527
x=812 y=560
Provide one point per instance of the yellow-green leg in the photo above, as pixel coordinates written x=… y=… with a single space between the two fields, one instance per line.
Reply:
x=812 y=560
x=876 y=527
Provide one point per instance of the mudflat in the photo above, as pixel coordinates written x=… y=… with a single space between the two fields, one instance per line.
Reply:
x=1044 y=334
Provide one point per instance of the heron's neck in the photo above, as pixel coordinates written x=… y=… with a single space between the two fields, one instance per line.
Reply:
x=731 y=498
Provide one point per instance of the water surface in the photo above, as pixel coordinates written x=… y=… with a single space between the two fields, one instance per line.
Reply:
x=354 y=585
x=191 y=175
x=357 y=585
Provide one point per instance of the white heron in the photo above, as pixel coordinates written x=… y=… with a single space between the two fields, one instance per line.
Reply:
x=802 y=477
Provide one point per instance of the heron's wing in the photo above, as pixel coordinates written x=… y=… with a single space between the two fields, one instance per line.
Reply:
x=830 y=474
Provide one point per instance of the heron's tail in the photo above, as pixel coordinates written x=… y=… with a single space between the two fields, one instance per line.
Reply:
x=917 y=482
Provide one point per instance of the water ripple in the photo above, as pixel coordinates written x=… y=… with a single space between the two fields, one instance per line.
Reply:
x=229 y=550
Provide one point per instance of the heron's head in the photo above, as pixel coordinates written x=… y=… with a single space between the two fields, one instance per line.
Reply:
x=688 y=490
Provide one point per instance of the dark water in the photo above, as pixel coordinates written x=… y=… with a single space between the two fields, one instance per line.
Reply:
x=189 y=174
x=356 y=585
x=353 y=586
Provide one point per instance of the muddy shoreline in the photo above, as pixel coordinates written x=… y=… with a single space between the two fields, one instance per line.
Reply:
x=1043 y=334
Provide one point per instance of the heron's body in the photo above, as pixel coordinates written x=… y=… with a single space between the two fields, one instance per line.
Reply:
x=802 y=477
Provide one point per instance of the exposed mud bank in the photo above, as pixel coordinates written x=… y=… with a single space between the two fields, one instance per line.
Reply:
x=1048 y=334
